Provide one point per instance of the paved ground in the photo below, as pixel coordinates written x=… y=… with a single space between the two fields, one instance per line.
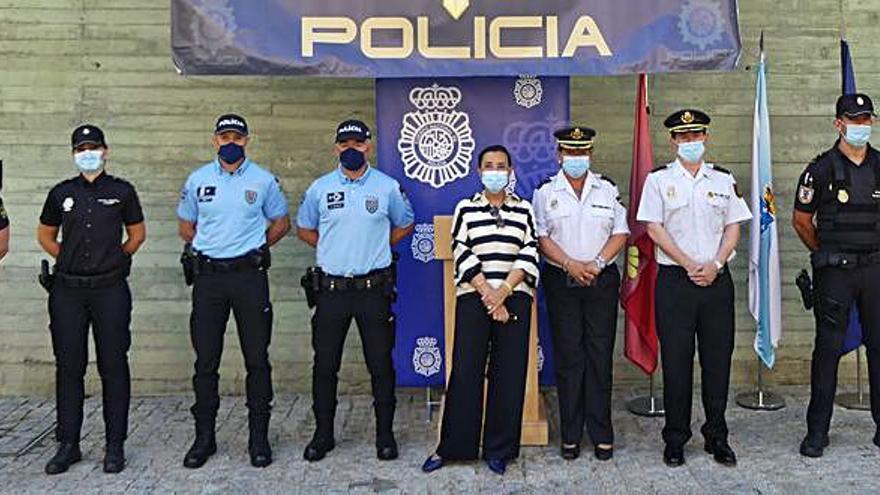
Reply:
x=161 y=431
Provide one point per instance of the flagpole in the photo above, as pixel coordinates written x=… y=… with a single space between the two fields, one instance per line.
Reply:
x=855 y=400
x=760 y=399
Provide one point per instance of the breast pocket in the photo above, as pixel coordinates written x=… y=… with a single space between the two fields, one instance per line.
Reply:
x=603 y=216
x=719 y=204
x=557 y=218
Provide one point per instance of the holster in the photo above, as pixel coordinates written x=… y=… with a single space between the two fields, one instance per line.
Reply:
x=311 y=284
x=46 y=278
x=189 y=262
x=805 y=285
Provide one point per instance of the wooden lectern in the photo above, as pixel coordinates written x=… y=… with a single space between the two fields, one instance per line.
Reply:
x=534 y=428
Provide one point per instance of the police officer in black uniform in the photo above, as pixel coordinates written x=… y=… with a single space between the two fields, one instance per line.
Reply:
x=840 y=189
x=90 y=288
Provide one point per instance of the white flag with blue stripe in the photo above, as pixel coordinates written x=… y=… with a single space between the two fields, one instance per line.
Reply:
x=765 y=293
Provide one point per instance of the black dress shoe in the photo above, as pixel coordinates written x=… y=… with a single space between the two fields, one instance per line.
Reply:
x=673 y=456
x=432 y=463
x=603 y=454
x=813 y=448
x=317 y=449
x=67 y=454
x=571 y=452
x=202 y=449
x=497 y=466
x=261 y=455
x=721 y=452
x=387 y=452
x=114 y=458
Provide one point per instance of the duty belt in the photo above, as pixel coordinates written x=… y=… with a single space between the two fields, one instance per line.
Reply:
x=822 y=259
x=257 y=259
x=373 y=280
x=92 y=281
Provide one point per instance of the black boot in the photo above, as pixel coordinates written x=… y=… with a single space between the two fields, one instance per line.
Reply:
x=386 y=446
x=68 y=453
x=258 y=443
x=114 y=457
x=203 y=447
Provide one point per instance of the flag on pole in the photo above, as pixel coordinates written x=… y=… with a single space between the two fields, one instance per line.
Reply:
x=637 y=290
x=765 y=292
x=853 y=338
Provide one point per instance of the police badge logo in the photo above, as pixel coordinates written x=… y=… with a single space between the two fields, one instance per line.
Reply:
x=250 y=197
x=701 y=23
x=805 y=194
x=371 y=203
x=426 y=357
x=213 y=29
x=436 y=142
x=422 y=243
x=528 y=91
x=67 y=204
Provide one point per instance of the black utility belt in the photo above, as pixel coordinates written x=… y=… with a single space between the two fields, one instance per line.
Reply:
x=258 y=259
x=92 y=281
x=822 y=259
x=376 y=279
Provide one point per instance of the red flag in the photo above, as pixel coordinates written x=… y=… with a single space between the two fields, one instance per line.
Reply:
x=637 y=291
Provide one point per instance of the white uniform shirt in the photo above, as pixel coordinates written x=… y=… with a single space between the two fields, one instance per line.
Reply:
x=580 y=226
x=693 y=209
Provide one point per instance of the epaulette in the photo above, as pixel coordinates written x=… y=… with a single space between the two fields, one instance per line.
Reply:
x=722 y=170
x=657 y=169
x=606 y=179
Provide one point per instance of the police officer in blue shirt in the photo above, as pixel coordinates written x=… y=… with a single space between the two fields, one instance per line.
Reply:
x=353 y=215
x=231 y=210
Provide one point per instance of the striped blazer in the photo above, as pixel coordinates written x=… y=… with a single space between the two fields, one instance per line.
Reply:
x=494 y=241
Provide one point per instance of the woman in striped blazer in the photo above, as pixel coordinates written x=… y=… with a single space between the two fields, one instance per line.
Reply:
x=496 y=269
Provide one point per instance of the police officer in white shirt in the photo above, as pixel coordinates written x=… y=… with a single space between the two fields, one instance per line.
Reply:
x=693 y=210
x=581 y=227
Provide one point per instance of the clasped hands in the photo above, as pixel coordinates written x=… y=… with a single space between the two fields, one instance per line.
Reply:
x=493 y=300
x=702 y=274
x=583 y=272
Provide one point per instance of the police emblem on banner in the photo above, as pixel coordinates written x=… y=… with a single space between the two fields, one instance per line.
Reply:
x=371 y=203
x=436 y=142
x=528 y=91
x=213 y=29
x=426 y=357
x=422 y=244
x=250 y=196
x=533 y=150
x=701 y=23
x=540 y=357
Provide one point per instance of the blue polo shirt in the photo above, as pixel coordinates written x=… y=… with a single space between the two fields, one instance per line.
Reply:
x=231 y=210
x=354 y=219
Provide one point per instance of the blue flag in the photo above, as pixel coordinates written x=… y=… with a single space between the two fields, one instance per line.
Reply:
x=848 y=85
x=765 y=288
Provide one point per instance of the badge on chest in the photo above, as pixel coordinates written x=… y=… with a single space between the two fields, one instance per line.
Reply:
x=335 y=200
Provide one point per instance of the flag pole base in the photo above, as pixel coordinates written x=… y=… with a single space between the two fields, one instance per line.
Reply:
x=760 y=400
x=853 y=401
x=648 y=406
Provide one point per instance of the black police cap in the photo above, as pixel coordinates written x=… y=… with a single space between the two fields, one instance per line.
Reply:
x=687 y=120
x=352 y=129
x=575 y=138
x=854 y=105
x=231 y=122
x=87 y=134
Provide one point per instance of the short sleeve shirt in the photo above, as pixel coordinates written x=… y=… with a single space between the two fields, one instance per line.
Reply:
x=816 y=183
x=92 y=216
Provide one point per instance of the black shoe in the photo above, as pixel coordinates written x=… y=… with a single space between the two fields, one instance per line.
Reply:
x=114 y=458
x=721 y=451
x=258 y=441
x=202 y=449
x=571 y=452
x=673 y=456
x=432 y=463
x=68 y=454
x=317 y=449
x=497 y=466
x=813 y=448
x=387 y=452
x=603 y=454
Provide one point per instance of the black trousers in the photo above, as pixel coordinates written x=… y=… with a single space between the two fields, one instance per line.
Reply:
x=584 y=323
x=246 y=293
x=478 y=337
x=685 y=310
x=371 y=309
x=108 y=311
x=837 y=289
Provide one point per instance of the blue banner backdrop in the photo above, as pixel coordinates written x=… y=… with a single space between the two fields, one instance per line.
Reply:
x=429 y=133
x=433 y=38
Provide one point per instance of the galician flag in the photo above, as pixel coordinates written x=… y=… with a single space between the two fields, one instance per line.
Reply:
x=765 y=293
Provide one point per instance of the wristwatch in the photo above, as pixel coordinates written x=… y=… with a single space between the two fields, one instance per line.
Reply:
x=600 y=262
x=719 y=265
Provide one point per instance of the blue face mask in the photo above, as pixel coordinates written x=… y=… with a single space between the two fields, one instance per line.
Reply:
x=857 y=135
x=90 y=161
x=575 y=166
x=494 y=180
x=692 y=152
x=352 y=159
x=231 y=153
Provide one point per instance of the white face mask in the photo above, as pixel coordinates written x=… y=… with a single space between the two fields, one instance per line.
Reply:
x=89 y=161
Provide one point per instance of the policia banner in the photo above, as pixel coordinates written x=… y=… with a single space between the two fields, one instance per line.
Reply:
x=427 y=38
